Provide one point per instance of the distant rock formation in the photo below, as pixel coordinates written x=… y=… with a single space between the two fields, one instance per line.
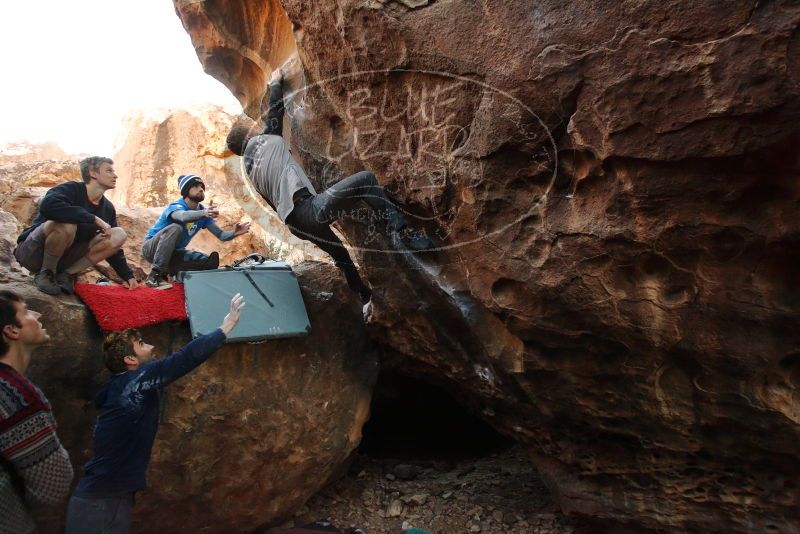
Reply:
x=24 y=180
x=26 y=152
x=160 y=146
x=614 y=186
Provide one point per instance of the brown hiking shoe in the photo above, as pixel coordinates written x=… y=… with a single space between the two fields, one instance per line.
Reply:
x=45 y=280
x=66 y=282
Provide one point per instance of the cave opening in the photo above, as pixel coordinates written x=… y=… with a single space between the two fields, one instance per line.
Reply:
x=414 y=420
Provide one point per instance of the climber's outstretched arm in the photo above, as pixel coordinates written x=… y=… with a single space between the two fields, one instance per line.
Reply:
x=273 y=122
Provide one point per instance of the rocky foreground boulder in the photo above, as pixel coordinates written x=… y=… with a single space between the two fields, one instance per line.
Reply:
x=614 y=189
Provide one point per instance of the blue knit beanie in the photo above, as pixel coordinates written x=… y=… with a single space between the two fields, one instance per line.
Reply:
x=186 y=181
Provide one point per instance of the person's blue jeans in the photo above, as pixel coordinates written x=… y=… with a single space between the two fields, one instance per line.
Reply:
x=99 y=515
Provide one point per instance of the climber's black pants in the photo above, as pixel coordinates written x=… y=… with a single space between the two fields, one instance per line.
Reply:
x=311 y=218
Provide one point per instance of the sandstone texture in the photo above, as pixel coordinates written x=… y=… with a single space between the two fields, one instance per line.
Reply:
x=159 y=146
x=248 y=437
x=27 y=152
x=614 y=189
x=24 y=181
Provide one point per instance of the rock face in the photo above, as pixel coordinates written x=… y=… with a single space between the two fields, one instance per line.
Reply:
x=158 y=147
x=25 y=152
x=614 y=189
x=24 y=181
x=259 y=428
x=9 y=228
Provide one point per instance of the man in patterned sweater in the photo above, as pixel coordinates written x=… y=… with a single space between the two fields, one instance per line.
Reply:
x=34 y=466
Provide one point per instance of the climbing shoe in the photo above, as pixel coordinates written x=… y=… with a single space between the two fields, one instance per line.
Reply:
x=367 y=312
x=212 y=262
x=66 y=282
x=412 y=239
x=45 y=280
x=365 y=294
x=157 y=280
x=192 y=260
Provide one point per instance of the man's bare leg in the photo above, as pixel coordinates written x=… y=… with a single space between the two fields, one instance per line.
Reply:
x=59 y=237
x=100 y=247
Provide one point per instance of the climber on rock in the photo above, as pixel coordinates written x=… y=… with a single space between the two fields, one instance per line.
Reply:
x=76 y=228
x=165 y=243
x=126 y=426
x=280 y=180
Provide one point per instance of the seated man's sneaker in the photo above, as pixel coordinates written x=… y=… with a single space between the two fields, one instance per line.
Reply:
x=66 y=282
x=412 y=239
x=45 y=280
x=157 y=280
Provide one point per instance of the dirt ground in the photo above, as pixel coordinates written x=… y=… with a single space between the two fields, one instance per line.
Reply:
x=497 y=494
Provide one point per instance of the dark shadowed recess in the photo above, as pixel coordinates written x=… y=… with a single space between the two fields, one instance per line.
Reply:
x=413 y=420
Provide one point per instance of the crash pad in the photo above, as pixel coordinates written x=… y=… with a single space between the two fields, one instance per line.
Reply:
x=274 y=306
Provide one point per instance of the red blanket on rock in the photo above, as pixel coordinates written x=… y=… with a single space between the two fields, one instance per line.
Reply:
x=117 y=308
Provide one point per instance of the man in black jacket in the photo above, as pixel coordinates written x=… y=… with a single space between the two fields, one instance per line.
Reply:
x=75 y=229
x=280 y=180
x=128 y=421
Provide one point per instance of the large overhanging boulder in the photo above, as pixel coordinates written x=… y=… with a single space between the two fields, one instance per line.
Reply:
x=246 y=438
x=615 y=190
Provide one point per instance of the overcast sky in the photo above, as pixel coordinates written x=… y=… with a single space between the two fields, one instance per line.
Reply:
x=72 y=70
